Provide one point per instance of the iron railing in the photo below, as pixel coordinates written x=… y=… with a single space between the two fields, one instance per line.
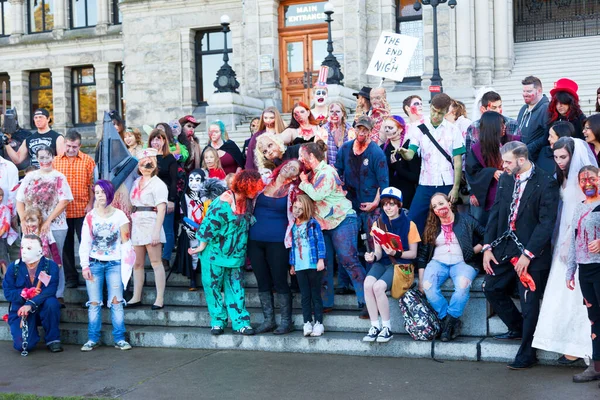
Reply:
x=555 y=19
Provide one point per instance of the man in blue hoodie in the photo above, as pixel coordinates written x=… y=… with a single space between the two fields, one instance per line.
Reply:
x=533 y=117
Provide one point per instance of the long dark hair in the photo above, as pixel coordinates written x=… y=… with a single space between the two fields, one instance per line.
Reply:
x=491 y=126
x=568 y=144
x=433 y=224
x=563 y=129
x=564 y=98
x=597 y=102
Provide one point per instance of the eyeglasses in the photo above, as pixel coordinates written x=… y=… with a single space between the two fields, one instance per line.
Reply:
x=587 y=128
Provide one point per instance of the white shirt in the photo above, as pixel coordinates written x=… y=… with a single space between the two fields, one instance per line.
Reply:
x=435 y=168
x=9 y=179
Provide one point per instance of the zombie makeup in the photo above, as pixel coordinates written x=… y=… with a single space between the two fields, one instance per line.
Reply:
x=377 y=98
x=416 y=107
x=298 y=210
x=391 y=129
x=271 y=151
x=362 y=134
x=437 y=116
x=195 y=181
x=588 y=182
x=562 y=158
x=214 y=133
x=529 y=94
x=157 y=143
x=189 y=129
x=45 y=160
x=269 y=120
x=320 y=96
x=300 y=114
x=335 y=114
x=290 y=170
x=440 y=207
x=32 y=223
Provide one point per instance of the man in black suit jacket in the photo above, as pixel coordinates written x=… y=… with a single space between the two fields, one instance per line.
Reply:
x=519 y=228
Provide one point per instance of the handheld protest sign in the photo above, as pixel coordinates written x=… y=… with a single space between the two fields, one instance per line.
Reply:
x=392 y=56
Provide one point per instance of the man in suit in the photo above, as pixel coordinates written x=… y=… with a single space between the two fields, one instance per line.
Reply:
x=520 y=228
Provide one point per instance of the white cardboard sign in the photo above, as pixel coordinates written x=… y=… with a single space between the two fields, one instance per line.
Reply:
x=392 y=56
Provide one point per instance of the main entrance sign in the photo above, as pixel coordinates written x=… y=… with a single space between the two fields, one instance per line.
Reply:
x=304 y=14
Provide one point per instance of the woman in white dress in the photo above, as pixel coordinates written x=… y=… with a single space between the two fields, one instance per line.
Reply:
x=563 y=326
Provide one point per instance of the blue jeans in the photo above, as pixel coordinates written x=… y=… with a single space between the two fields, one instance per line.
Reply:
x=111 y=272
x=419 y=208
x=47 y=315
x=436 y=274
x=168 y=226
x=341 y=241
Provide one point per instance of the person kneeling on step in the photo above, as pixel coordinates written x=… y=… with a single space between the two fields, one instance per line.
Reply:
x=394 y=219
x=30 y=286
x=448 y=251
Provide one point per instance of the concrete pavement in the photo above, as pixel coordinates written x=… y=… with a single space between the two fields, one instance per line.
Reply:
x=153 y=373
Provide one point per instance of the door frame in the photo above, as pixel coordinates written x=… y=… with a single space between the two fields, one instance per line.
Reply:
x=297 y=31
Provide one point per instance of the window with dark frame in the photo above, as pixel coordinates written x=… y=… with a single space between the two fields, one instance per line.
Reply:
x=410 y=22
x=41 y=15
x=40 y=92
x=209 y=58
x=5 y=78
x=117 y=17
x=83 y=85
x=6 y=19
x=119 y=81
x=83 y=13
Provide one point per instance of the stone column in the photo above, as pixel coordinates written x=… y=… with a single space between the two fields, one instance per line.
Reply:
x=188 y=70
x=18 y=17
x=60 y=18
x=501 y=38
x=105 y=93
x=61 y=97
x=464 y=58
x=19 y=96
x=266 y=28
x=103 y=7
x=483 y=60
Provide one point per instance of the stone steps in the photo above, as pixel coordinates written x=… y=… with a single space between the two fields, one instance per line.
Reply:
x=341 y=343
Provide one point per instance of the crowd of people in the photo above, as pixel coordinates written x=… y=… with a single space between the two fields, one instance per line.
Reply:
x=513 y=199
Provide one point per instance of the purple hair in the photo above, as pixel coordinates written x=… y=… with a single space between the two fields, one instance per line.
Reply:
x=107 y=188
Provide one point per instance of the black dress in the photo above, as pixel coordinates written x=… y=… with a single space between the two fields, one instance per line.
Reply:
x=404 y=175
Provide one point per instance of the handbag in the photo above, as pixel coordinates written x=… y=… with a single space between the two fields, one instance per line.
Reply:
x=464 y=187
x=404 y=274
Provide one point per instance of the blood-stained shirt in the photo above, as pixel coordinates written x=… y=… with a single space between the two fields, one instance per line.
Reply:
x=585 y=229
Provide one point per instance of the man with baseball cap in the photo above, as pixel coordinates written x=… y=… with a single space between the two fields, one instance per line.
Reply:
x=362 y=166
x=44 y=136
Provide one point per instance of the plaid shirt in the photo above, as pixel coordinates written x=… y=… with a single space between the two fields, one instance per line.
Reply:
x=512 y=128
x=79 y=171
x=316 y=242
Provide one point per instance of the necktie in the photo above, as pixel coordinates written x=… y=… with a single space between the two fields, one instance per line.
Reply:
x=514 y=206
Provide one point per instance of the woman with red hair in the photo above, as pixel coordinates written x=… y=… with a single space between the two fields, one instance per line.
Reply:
x=564 y=105
x=303 y=127
x=223 y=236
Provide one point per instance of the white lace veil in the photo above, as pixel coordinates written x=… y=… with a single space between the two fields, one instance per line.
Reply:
x=572 y=195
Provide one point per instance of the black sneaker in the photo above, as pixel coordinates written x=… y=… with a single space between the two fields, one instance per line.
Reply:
x=385 y=335
x=371 y=335
x=216 y=330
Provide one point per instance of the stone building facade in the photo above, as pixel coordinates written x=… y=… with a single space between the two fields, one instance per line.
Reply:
x=155 y=60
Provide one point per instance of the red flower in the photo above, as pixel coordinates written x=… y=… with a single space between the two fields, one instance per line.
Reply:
x=5 y=318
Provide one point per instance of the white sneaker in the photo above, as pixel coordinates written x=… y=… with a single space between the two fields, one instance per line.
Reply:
x=308 y=328
x=385 y=335
x=372 y=335
x=122 y=345
x=318 y=329
x=89 y=346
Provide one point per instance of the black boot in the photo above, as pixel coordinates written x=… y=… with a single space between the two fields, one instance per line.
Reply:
x=447 y=324
x=266 y=302
x=285 y=307
x=456 y=328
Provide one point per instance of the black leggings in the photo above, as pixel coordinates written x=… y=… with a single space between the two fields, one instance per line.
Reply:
x=271 y=264
x=589 y=280
x=309 y=281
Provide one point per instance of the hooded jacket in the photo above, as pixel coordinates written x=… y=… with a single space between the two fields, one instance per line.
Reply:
x=534 y=126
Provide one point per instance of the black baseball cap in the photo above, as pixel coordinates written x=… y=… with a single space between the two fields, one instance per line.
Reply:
x=42 y=111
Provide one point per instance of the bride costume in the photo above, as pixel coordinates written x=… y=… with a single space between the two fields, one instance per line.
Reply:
x=563 y=326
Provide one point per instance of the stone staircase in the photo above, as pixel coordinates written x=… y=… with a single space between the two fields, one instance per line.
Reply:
x=185 y=323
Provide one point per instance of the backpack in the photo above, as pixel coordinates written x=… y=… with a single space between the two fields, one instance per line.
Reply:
x=420 y=320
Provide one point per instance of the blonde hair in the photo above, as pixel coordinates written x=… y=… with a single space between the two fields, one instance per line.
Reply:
x=215 y=153
x=308 y=206
x=260 y=160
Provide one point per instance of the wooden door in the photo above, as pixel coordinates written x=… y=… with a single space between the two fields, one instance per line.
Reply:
x=301 y=57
